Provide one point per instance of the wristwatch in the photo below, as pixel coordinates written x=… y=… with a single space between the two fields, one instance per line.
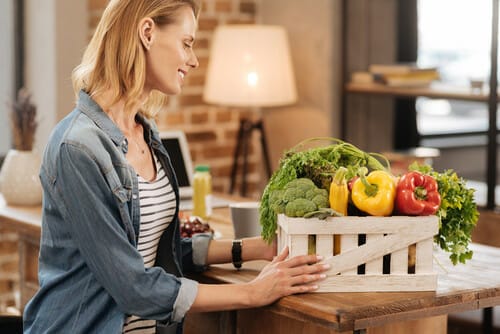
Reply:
x=236 y=253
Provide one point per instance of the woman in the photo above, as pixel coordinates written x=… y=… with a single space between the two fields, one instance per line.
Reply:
x=111 y=257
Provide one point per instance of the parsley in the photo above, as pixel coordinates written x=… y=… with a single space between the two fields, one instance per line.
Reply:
x=457 y=213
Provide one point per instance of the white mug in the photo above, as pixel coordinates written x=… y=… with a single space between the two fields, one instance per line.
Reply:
x=245 y=218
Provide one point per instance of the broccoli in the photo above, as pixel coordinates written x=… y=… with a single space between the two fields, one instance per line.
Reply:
x=321 y=200
x=298 y=197
x=299 y=207
x=276 y=201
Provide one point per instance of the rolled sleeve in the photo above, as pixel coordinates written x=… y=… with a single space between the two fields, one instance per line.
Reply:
x=201 y=242
x=185 y=298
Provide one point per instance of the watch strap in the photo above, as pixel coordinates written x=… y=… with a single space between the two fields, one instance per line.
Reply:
x=236 y=254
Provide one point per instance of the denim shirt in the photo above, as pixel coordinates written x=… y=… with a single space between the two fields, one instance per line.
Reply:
x=91 y=274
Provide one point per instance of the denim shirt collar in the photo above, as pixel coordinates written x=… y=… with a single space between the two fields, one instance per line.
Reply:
x=94 y=111
x=151 y=134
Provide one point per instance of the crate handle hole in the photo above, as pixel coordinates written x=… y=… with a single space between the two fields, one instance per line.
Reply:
x=311 y=244
x=412 y=258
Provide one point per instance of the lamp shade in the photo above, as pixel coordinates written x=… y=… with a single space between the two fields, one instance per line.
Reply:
x=250 y=65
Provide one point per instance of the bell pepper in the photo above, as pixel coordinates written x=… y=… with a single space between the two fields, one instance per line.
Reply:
x=375 y=193
x=417 y=194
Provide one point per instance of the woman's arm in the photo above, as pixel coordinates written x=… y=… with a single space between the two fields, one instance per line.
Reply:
x=279 y=278
x=219 y=251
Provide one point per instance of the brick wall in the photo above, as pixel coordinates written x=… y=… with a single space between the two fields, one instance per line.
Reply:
x=211 y=131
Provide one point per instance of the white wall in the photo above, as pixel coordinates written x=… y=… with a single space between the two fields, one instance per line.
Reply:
x=6 y=71
x=72 y=38
x=315 y=34
x=40 y=66
x=56 y=32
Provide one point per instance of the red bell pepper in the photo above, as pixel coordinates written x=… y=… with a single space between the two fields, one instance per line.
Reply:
x=417 y=194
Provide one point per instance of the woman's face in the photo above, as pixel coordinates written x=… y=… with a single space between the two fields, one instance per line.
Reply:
x=170 y=56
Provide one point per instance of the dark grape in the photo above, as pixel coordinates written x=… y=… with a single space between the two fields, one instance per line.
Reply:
x=192 y=225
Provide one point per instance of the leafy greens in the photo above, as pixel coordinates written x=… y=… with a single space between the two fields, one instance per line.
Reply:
x=457 y=213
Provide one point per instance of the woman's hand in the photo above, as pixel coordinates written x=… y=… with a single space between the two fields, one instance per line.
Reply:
x=279 y=278
x=284 y=277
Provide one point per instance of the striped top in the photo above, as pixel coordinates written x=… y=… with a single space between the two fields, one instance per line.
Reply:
x=157 y=207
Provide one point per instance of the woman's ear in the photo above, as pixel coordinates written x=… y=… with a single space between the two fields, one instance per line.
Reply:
x=146 y=27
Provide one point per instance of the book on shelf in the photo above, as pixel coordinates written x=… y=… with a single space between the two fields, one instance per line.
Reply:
x=413 y=79
x=400 y=68
x=397 y=75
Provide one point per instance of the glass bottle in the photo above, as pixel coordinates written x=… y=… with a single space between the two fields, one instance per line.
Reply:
x=202 y=192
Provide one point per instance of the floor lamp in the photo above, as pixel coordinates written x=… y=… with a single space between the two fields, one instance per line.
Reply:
x=249 y=67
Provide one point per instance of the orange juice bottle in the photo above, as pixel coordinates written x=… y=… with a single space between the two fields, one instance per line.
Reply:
x=202 y=192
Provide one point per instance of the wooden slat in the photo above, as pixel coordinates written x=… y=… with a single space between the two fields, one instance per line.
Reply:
x=356 y=225
x=324 y=245
x=399 y=261
x=374 y=266
x=280 y=239
x=347 y=243
x=366 y=283
x=298 y=244
x=424 y=256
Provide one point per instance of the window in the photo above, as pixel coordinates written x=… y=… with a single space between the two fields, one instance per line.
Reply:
x=455 y=36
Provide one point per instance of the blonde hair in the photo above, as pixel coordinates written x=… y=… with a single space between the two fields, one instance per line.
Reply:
x=115 y=58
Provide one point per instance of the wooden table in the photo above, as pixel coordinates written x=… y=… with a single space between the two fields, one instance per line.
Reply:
x=26 y=222
x=460 y=288
x=464 y=287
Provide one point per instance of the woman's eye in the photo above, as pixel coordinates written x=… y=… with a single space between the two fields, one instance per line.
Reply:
x=187 y=45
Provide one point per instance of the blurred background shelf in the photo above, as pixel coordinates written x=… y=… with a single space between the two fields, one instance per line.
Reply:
x=436 y=90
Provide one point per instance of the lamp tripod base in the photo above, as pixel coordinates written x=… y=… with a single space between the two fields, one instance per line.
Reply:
x=241 y=151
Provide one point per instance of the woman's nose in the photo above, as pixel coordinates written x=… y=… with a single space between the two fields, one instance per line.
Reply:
x=193 y=61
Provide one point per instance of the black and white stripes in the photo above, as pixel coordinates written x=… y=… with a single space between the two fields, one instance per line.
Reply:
x=157 y=200
x=157 y=207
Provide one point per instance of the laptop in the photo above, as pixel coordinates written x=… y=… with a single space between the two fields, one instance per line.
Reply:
x=177 y=147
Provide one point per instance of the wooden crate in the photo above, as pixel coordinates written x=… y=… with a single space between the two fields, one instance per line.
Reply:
x=399 y=236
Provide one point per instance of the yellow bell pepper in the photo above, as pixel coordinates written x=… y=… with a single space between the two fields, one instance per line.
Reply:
x=375 y=193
